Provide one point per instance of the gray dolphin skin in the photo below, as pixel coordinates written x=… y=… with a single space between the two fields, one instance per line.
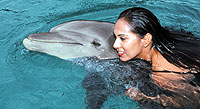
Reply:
x=75 y=39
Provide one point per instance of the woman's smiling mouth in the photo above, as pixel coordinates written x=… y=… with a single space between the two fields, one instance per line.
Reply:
x=121 y=53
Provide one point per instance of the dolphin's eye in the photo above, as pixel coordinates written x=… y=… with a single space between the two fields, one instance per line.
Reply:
x=96 y=43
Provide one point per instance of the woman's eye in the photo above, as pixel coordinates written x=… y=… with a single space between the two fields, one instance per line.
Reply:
x=122 y=38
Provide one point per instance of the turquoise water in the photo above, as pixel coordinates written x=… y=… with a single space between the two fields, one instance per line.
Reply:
x=31 y=80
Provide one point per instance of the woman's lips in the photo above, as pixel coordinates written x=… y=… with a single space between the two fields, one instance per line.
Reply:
x=120 y=53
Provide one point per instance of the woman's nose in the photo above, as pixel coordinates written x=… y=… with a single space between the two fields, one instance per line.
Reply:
x=116 y=44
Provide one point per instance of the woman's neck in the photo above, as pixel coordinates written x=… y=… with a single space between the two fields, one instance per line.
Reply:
x=159 y=63
x=146 y=54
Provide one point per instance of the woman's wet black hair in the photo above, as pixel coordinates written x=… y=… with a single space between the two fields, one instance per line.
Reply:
x=178 y=47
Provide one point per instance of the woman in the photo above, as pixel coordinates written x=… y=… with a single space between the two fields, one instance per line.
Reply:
x=174 y=55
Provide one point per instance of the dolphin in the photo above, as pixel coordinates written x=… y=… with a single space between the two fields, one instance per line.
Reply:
x=75 y=39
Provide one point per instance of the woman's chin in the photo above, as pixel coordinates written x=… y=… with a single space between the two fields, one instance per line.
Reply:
x=124 y=59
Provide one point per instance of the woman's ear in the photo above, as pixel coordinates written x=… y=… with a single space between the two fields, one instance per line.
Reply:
x=147 y=40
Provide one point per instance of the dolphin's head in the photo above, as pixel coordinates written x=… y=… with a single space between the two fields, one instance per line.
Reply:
x=75 y=39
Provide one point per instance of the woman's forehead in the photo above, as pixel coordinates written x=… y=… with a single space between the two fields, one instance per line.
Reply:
x=122 y=26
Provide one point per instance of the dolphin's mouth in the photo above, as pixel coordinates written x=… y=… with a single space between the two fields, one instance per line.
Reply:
x=49 y=41
x=53 y=37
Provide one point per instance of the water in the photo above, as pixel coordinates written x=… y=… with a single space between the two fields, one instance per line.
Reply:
x=31 y=80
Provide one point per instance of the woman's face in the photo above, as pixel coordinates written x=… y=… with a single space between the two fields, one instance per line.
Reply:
x=127 y=43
